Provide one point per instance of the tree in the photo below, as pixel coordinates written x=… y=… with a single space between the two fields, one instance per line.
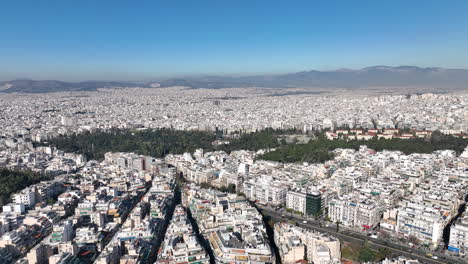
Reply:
x=163 y=141
x=382 y=253
x=366 y=254
x=12 y=181
x=231 y=188
x=338 y=226
x=319 y=150
x=375 y=122
x=205 y=185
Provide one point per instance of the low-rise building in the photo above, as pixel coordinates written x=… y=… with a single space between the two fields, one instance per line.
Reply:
x=458 y=240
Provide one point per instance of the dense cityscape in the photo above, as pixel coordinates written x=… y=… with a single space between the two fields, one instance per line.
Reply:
x=234 y=132
x=226 y=205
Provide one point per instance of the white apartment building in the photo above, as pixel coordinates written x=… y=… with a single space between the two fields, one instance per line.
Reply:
x=459 y=236
x=265 y=191
x=66 y=121
x=323 y=249
x=363 y=214
x=291 y=243
x=296 y=201
x=26 y=197
x=423 y=222
x=62 y=232
x=296 y=244
x=17 y=208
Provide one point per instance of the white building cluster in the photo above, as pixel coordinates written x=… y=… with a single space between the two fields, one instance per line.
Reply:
x=44 y=160
x=117 y=210
x=233 y=228
x=105 y=213
x=38 y=117
x=144 y=227
x=296 y=244
x=413 y=196
x=181 y=245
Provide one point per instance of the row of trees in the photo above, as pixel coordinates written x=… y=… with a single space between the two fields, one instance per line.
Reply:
x=319 y=150
x=12 y=181
x=157 y=143
x=264 y=139
x=160 y=142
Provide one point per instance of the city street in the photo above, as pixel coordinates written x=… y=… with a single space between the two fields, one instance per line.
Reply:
x=358 y=238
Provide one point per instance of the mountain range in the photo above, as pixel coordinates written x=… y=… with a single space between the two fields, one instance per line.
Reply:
x=370 y=77
x=48 y=86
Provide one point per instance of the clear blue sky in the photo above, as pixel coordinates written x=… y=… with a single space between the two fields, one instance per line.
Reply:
x=129 y=40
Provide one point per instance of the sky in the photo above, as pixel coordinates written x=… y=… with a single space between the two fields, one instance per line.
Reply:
x=145 y=40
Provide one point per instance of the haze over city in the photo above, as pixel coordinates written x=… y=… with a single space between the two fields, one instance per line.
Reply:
x=247 y=132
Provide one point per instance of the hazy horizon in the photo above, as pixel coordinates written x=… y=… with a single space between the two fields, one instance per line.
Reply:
x=150 y=79
x=108 y=40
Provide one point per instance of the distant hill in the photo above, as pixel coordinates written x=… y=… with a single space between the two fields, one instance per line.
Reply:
x=376 y=76
x=30 y=86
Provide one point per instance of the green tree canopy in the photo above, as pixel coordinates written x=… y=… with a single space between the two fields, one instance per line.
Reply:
x=12 y=181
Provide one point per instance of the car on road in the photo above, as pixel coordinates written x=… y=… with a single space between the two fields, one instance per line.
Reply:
x=305 y=222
